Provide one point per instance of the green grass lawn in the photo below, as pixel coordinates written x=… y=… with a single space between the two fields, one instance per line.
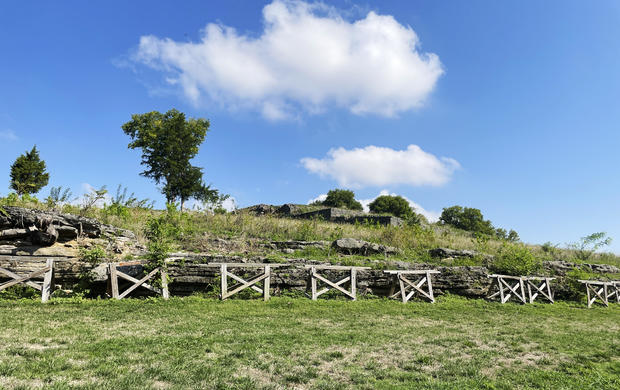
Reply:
x=296 y=343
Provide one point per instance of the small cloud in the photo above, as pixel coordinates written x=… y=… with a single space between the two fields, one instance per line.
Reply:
x=320 y=198
x=8 y=135
x=380 y=166
x=230 y=204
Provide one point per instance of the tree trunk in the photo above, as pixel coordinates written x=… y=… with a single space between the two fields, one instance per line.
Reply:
x=182 y=203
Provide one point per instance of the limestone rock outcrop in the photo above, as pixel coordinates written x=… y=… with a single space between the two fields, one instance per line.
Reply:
x=44 y=228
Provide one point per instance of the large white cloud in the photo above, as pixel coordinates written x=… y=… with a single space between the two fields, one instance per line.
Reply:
x=380 y=166
x=308 y=56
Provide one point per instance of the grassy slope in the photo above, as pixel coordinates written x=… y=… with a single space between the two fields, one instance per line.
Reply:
x=329 y=344
x=198 y=228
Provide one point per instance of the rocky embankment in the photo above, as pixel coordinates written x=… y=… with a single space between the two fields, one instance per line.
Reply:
x=30 y=232
x=29 y=237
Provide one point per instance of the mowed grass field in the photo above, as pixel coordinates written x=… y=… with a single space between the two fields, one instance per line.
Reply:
x=203 y=343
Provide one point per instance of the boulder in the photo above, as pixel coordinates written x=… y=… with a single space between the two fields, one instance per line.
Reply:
x=288 y=209
x=443 y=253
x=261 y=209
x=46 y=237
x=354 y=246
x=67 y=226
x=294 y=244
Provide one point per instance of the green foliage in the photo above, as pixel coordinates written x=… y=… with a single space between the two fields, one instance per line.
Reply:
x=586 y=246
x=161 y=231
x=92 y=197
x=10 y=200
x=343 y=199
x=515 y=259
x=575 y=289
x=395 y=205
x=122 y=203
x=511 y=236
x=193 y=342
x=58 y=197
x=28 y=174
x=467 y=218
x=93 y=255
x=168 y=142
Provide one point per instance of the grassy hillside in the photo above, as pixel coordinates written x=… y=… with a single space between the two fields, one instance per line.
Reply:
x=246 y=234
x=296 y=343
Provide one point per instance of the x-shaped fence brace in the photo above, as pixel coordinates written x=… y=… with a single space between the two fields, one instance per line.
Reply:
x=506 y=289
x=45 y=287
x=115 y=274
x=422 y=277
x=315 y=277
x=598 y=289
x=242 y=284
x=541 y=286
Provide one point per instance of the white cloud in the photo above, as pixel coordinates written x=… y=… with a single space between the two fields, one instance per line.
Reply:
x=319 y=198
x=230 y=204
x=379 y=166
x=431 y=216
x=8 y=135
x=307 y=57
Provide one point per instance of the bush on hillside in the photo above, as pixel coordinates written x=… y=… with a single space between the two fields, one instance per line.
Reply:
x=466 y=218
x=342 y=199
x=515 y=259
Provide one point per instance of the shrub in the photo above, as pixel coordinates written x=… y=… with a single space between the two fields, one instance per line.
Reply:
x=586 y=246
x=467 y=219
x=395 y=205
x=515 y=259
x=342 y=198
x=92 y=255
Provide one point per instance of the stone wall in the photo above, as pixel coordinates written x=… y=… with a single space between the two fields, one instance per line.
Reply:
x=195 y=276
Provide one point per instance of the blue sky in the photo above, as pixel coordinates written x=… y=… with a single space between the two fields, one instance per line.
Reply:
x=512 y=107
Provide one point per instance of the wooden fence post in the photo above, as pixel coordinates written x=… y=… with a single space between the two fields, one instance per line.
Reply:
x=113 y=280
x=266 y=283
x=47 y=281
x=164 y=284
x=223 y=281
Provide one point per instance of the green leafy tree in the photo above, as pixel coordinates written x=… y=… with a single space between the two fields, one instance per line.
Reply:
x=58 y=197
x=168 y=142
x=342 y=198
x=395 y=205
x=586 y=246
x=28 y=173
x=467 y=219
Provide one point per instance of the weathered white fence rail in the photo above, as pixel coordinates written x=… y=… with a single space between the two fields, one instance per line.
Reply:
x=599 y=289
x=541 y=286
x=115 y=274
x=242 y=284
x=45 y=286
x=315 y=278
x=423 y=277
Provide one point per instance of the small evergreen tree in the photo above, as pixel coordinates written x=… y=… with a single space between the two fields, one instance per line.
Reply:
x=342 y=198
x=28 y=174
